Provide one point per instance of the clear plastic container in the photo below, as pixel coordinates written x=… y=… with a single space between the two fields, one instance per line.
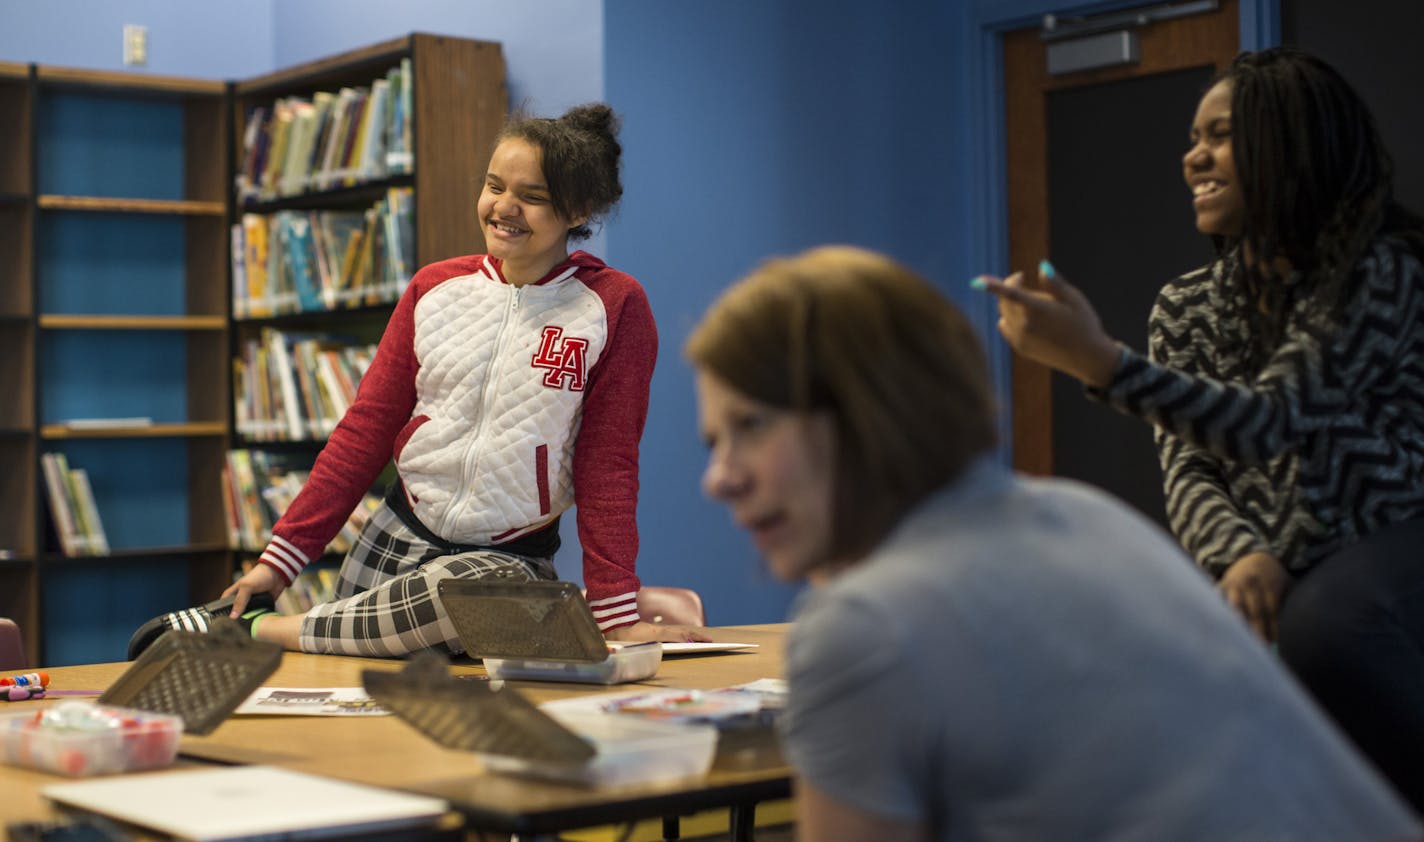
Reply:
x=629 y=751
x=83 y=738
x=625 y=662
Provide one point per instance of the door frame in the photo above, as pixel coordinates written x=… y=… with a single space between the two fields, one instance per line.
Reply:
x=987 y=190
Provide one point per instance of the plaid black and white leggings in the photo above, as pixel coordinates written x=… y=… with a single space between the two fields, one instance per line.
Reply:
x=385 y=603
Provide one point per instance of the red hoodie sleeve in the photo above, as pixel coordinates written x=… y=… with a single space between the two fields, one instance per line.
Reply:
x=605 y=467
x=357 y=451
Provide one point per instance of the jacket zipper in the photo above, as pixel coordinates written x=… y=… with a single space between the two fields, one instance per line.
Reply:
x=461 y=500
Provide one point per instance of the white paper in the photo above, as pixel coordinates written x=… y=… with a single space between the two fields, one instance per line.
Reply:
x=702 y=647
x=311 y=701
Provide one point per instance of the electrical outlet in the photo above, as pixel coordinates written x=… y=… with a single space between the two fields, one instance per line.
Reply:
x=135 y=44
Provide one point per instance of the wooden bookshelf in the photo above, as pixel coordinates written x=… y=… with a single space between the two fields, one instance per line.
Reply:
x=459 y=104
x=113 y=304
x=19 y=535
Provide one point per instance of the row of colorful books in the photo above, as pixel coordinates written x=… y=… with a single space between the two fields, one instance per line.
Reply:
x=306 y=261
x=295 y=386
x=313 y=586
x=72 y=508
x=354 y=135
x=259 y=486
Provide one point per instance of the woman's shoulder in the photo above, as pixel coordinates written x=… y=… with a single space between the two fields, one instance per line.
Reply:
x=1199 y=289
x=1207 y=275
x=1395 y=254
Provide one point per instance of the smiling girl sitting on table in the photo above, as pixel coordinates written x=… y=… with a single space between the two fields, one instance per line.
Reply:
x=507 y=387
x=985 y=654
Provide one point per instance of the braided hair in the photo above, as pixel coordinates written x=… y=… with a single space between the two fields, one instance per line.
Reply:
x=1318 y=187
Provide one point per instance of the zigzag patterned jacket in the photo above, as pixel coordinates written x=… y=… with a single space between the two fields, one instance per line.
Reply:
x=502 y=406
x=1320 y=446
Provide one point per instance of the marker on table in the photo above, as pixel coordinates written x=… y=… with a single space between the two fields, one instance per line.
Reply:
x=37 y=679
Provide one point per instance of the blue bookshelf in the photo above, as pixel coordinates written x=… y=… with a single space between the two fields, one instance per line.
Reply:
x=127 y=339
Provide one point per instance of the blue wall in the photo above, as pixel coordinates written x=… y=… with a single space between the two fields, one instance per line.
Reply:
x=206 y=40
x=753 y=129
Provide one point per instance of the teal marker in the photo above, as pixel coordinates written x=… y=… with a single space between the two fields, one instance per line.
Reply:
x=978 y=282
x=1046 y=269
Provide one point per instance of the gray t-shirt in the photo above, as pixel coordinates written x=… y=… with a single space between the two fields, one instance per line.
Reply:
x=1030 y=659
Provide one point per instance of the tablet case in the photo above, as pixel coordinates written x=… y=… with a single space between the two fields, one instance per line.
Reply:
x=201 y=677
x=538 y=621
x=472 y=715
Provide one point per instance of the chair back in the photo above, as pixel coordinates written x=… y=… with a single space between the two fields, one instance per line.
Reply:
x=12 y=646
x=671 y=606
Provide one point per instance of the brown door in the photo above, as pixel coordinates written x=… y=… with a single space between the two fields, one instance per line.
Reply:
x=1095 y=185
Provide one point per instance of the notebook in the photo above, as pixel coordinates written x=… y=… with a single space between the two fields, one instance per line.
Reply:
x=245 y=802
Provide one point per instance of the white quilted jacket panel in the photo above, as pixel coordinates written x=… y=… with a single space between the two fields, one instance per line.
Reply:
x=490 y=398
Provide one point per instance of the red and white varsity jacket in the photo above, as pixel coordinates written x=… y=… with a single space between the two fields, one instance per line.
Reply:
x=502 y=406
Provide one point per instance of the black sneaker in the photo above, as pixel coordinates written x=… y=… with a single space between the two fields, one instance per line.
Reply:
x=195 y=619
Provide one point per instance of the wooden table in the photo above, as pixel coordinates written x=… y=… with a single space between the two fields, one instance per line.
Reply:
x=384 y=751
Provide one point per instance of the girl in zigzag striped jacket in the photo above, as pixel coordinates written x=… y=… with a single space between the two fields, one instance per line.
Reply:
x=1285 y=385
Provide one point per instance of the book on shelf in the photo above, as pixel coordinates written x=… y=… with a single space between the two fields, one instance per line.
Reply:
x=254 y=154
x=108 y=423
x=72 y=507
x=263 y=485
x=296 y=167
x=61 y=511
x=295 y=231
x=98 y=541
x=400 y=155
x=240 y=295
x=341 y=111
x=280 y=131
x=371 y=145
x=286 y=379
x=254 y=249
x=345 y=174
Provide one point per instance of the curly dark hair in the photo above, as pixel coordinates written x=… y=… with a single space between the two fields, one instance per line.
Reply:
x=1318 y=185
x=580 y=154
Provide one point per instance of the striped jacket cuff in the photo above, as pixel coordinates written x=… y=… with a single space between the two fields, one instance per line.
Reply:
x=615 y=611
x=283 y=556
